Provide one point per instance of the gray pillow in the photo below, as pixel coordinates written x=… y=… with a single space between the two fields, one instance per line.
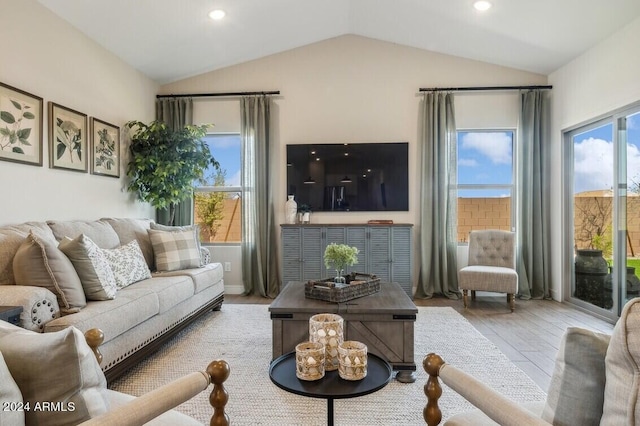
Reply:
x=576 y=392
x=10 y=397
x=58 y=368
x=38 y=262
x=175 y=250
x=96 y=275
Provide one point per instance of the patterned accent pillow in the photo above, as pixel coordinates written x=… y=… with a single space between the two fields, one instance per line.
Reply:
x=96 y=275
x=127 y=263
x=175 y=250
x=196 y=235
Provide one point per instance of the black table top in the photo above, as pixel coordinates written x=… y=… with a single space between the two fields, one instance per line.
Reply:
x=283 y=373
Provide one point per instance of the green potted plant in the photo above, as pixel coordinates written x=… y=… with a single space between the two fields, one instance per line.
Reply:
x=339 y=256
x=165 y=162
x=304 y=213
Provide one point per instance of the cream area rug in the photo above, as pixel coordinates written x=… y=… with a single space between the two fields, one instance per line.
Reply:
x=241 y=335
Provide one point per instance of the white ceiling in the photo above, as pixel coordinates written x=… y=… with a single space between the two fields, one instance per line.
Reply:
x=173 y=39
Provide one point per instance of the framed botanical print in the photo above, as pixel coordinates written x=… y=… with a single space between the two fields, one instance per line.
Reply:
x=67 y=138
x=105 y=148
x=20 y=126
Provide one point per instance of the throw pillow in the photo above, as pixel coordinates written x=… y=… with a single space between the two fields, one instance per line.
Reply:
x=622 y=399
x=38 y=262
x=174 y=250
x=194 y=228
x=11 y=402
x=127 y=263
x=96 y=275
x=57 y=374
x=576 y=392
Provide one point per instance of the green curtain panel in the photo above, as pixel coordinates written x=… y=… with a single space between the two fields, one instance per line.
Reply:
x=260 y=263
x=438 y=213
x=176 y=113
x=534 y=216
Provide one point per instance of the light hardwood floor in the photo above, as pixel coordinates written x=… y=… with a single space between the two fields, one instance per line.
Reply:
x=529 y=337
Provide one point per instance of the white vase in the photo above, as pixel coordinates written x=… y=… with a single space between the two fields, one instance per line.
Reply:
x=290 y=210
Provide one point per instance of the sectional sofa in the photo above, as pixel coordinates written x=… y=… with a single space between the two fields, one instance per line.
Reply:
x=138 y=282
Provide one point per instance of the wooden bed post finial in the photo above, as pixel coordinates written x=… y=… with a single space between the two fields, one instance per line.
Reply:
x=432 y=389
x=219 y=372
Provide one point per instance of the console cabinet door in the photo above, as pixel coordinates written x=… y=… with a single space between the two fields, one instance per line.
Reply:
x=357 y=237
x=401 y=260
x=312 y=253
x=379 y=252
x=291 y=254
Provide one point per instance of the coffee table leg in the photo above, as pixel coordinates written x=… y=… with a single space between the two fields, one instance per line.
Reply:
x=406 y=376
x=330 y=411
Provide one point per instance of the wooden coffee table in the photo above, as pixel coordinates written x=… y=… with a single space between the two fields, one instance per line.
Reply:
x=384 y=321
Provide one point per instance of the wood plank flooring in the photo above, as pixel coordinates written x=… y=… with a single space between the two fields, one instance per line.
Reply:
x=529 y=337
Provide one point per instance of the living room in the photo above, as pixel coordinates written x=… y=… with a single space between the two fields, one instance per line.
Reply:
x=345 y=89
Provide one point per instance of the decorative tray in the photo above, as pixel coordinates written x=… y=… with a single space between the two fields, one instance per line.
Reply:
x=358 y=285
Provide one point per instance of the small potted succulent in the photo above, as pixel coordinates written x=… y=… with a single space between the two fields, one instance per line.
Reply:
x=339 y=256
x=304 y=213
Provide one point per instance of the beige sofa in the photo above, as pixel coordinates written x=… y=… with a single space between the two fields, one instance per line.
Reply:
x=138 y=319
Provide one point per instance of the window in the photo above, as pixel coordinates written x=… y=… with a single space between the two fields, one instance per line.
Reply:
x=485 y=180
x=217 y=201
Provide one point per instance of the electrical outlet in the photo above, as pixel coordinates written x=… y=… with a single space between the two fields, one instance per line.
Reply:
x=227 y=266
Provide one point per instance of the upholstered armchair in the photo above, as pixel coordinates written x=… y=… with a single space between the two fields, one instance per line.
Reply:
x=491 y=265
x=596 y=381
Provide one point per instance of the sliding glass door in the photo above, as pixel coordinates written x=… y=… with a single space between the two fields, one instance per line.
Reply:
x=603 y=196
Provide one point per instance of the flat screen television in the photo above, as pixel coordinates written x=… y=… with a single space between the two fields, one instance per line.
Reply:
x=350 y=177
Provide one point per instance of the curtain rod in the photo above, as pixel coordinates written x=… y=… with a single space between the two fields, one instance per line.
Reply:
x=213 y=95
x=483 y=88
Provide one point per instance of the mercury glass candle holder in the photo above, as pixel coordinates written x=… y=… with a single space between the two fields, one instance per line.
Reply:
x=310 y=359
x=353 y=360
x=328 y=330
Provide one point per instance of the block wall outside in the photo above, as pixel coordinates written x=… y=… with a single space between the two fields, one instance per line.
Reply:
x=483 y=213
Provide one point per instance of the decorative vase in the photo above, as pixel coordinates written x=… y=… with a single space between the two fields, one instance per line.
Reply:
x=590 y=272
x=353 y=360
x=306 y=217
x=339 y=279
x=310 y=360
x=290 y=209
x=328 y=330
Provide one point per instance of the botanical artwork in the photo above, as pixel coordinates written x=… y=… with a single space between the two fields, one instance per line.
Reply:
x=20 y=126
x=105 y=148
x=67 y=138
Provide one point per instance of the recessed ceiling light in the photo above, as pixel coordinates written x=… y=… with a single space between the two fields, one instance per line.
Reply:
x=217 y=14
x=482 y=5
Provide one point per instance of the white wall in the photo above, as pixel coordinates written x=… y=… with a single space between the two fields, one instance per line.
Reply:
x=599 y=81
x=45 y=56
x=355 y=89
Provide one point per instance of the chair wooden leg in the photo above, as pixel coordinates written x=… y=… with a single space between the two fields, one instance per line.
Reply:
x=464 y=297
x=473 y=295
x=512 y=301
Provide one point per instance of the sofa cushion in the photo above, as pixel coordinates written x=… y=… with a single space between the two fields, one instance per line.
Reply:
x=576 y=392
x=55 y=368
x=100 y=233
x=11 y=408
x=94 y=271
x=39 y=304
x=170 y=290
x=133 y=229
x=38 y=262
x=621 y=394
x=11 y=237
x=174 y=250
x=114 y=317
x=128 y=264
x=203 y=277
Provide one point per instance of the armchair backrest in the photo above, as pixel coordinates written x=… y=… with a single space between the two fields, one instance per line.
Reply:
x=492 y=248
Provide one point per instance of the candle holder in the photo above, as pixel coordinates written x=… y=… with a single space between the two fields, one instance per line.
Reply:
x=310 y=359
x=328 y=330
x=353 y=360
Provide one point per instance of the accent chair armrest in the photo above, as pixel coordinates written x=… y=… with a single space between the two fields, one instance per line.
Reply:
x=499 y=408
x=39 y=305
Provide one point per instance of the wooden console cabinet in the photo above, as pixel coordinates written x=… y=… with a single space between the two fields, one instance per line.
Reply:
x=385 y=250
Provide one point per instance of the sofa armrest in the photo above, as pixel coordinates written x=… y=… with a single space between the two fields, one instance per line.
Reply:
x=151 y=405
x=39 y=305
x=499 y=408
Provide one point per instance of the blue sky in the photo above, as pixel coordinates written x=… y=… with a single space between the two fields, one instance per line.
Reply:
x=593 y=157
x=226 y=149
x=485 y=158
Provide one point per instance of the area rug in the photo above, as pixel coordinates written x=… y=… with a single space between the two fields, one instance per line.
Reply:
x=241 y=335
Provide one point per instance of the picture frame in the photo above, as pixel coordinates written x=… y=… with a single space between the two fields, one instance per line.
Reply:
x=105 y=148
x=21 y=117
x=68 y=139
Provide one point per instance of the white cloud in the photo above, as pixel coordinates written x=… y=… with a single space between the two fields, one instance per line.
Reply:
x=234 y=180
x=495 y=146
x=593 y=165
x=467 y=162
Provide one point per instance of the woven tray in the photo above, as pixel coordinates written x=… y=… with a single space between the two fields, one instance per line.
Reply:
x=360 y=285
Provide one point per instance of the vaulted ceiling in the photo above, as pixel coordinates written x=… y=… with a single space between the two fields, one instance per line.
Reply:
x=173 y=39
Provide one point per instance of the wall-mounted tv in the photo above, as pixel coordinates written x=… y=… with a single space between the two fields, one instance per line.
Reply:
x=350 y=177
